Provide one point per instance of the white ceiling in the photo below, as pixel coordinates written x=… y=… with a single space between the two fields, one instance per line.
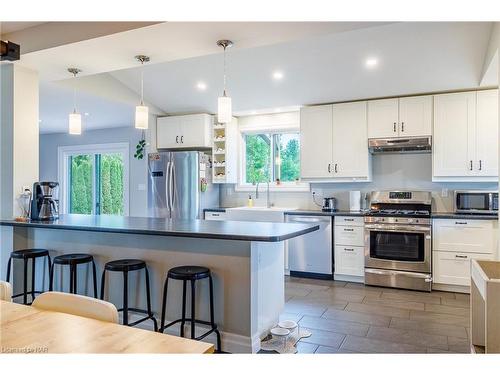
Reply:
x=10 y=27
x=326 y=65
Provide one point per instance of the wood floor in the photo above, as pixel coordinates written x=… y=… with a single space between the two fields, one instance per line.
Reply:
x=353 y=318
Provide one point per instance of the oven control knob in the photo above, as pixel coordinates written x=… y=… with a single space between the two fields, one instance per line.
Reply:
x=416 y=220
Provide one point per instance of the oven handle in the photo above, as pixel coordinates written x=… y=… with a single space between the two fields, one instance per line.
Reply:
x=397 y=228
x=427 y=278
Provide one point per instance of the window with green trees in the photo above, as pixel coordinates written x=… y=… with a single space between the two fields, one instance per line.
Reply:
x=273 y=156
x=96 y=183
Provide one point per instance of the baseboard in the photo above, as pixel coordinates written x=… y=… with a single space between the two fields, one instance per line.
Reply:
x=311 y=275
x=230 y=342
x=349 y=278
x=451 y=288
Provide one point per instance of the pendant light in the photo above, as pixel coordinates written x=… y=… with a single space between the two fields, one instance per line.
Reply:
x=75 y=119
x=224 y=107
x=142 y=111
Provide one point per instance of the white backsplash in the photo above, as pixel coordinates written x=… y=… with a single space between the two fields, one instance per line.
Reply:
x=390 y=172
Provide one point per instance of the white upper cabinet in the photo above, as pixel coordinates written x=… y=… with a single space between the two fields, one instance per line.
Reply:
x=334 y=142
x=184 y=132
x=383 y=118
x=487 y=133
x=415 y=116
x=351 y=158
x=316 y=141
x=465 y=136
x=400 y=117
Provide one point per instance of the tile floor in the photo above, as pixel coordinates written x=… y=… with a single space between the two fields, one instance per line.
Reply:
x=353 y=318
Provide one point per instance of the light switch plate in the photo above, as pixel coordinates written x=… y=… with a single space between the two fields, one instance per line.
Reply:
x=141 y=187
x=444 y=193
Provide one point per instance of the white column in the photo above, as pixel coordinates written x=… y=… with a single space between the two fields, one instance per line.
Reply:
x=18 y=144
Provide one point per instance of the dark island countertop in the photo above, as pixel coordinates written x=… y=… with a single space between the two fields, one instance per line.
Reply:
x=224 y=230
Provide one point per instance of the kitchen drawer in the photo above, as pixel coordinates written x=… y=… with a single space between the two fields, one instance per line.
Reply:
x=349 y=260
x=464 y=235
x=356 y=221
x=349 y=235
x=215 y=215
x=454 y=268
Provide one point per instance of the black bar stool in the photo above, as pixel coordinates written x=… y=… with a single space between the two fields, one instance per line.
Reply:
x=190 y=273
x=125 y=266
x=73 y=260
x=25 y=255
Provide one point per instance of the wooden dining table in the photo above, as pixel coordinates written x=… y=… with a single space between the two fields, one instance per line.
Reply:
x=25 y=329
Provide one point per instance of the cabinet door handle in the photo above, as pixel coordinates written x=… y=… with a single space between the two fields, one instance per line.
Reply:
x=177 y=139
x=348 y=219
x=394 y=128
x=461 y=256
x=402 y=127
x=329 y=168
x=346 y=249
x=480 y=165
x=460 y=222
x=336 y=168
x=470 y=165
x=348 y=230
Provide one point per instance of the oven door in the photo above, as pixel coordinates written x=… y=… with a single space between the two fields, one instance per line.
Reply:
x=398 y=247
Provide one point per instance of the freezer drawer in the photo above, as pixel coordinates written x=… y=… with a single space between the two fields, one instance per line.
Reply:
x=311 y=253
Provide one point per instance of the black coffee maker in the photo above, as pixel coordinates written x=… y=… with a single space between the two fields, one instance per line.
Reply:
x=45 y=202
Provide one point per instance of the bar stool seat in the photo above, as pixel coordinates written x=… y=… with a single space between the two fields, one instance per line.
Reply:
x=191 y=274
x=125 y=266
x=73 y=260
x=25 y=255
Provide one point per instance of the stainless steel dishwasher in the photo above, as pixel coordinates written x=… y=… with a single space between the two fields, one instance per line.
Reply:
x=311 y=255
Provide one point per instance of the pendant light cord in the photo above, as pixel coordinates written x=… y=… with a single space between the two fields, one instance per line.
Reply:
x=142 y=82
x=224 y=94
x=74 y=94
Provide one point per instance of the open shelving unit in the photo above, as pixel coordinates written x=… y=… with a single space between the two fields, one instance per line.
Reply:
x=224 y=152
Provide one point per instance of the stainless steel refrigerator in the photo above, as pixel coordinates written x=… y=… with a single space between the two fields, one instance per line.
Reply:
x=180 y=184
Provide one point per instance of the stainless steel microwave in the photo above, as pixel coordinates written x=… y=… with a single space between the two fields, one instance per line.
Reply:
x=476 y=201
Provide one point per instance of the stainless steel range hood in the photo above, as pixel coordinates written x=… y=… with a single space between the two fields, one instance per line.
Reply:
x=399 y=145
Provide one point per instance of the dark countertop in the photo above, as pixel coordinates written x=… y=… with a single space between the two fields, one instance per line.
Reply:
x=452 y=215
x=434 y=215
x=224 y=230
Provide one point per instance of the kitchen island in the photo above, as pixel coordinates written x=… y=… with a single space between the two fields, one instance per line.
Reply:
x=246 y=258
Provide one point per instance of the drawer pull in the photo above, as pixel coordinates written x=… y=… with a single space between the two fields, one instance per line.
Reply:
x=461 y=256
x=346 y=249
x=215 y=215
x=460 y=222
x=348 y=230
x=348 y=219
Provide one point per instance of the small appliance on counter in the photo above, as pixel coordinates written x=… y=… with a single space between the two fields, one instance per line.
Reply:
x=329 y=203
x=45 y=201
x=476 y=202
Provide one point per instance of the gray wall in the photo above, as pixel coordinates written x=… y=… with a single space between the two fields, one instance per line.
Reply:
x=390 y=171
x=138 y=168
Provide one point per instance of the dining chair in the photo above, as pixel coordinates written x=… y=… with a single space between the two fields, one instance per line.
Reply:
x=76 y=304
x=5 y=291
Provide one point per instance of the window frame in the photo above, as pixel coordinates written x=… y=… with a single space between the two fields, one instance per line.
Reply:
x=63 y=154
x=243 y=185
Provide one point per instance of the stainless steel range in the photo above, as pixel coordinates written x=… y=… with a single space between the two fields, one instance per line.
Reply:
x=398 y=240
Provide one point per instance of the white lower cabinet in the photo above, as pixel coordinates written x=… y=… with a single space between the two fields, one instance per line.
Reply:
x=454 y=268
x=455 y=243
x=349 y=248
x=349 y=260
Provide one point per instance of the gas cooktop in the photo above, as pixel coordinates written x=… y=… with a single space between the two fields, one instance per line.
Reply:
x=394 y=212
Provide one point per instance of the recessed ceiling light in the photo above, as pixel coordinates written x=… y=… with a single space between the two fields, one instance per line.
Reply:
x=87 y=114
x=371 y=62
x=278 y=75
x=202 y=86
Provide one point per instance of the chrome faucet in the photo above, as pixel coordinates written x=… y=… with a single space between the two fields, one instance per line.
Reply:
x=268 y=197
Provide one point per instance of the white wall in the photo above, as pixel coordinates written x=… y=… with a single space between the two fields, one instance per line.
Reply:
x=49 y=144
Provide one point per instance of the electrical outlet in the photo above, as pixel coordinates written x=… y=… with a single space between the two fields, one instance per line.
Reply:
x=444 y=193
x=318 y=192
x=141 y=187
x=24 y=188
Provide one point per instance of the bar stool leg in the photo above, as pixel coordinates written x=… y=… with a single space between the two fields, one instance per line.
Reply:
x=49 y=262
x=212 y=318
x=33 y=262
x=164 y=306
x=75 y=279
x=71 y=276
x=125 y=298
x=192 y=310
x=51 y=276
x=94 y=274
x=148 y=299
x=25 y=281
x=103 y=280
x=183 y=321
x=8 y=269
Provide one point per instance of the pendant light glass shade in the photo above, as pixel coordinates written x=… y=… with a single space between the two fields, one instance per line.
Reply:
x=141 y=117
x=75 y=123
x=224 y=110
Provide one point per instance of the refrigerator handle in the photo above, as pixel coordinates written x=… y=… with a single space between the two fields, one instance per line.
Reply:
x=167 y=188
x=171 y=186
